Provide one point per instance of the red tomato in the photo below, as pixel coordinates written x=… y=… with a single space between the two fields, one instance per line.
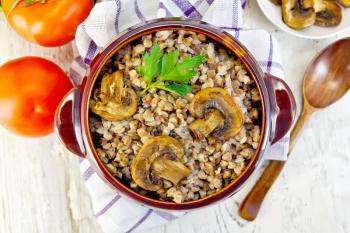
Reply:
x=52 y=23
x=30 y=90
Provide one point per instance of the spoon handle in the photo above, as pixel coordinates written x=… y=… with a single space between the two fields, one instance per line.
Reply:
x=299 y=125
x=250 y=207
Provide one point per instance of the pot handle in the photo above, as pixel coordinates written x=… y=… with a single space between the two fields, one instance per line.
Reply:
x=283 y=107
x=67 y=122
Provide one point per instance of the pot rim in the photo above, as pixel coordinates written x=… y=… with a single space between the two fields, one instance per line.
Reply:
x=215 y=34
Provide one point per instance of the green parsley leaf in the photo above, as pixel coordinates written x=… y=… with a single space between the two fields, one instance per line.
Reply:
x=178 y=89
x=151 y=64
x=169 y=61
x=141 y=70
x=183 y=71
x=158 y=68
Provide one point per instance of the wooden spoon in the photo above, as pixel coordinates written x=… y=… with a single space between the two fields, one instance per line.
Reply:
x=326 y=80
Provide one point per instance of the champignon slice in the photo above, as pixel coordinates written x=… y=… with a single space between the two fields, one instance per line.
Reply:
x=159 y=158
x=296 y=16
x=277 y=2
x=306 y=4
x=345 y=3
x=203 y=105
x=328 y=13
x=173 y=171
x=203 y=127
x=112 y=101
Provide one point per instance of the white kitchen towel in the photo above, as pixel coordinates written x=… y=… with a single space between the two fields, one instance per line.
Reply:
x=107 y=19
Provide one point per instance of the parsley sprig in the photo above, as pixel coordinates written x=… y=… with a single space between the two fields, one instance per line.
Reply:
x=159 y=68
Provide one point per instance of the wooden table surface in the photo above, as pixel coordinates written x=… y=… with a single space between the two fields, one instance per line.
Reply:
x=41 y=190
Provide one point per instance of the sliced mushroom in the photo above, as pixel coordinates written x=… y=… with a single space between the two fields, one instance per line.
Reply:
x=218 y=114
x=112 y=101
x=306 y=4
x=277 y=2
x=159 y=158
x=328 y=13
x=345 y=3
x=203 y=127
x=296 y=16
x=174 y=171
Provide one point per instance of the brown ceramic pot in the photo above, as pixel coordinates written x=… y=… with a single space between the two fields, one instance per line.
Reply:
x=278 y=110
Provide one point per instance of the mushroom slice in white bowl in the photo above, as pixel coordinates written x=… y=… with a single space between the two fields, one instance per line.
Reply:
x=273 y=13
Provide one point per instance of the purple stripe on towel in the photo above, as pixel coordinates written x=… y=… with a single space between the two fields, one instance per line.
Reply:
x=269 y=63
x=197 y=3
x=237 y=32
x=165 y=215
x=90 y=53
x=235 y=14
x=167 y=12
x=275 y=65
x=116 y=22
x=108 y=206
x=88 y=173
x=187 y=8
x=80 y=61
x=140 y=221
x=244 y=4
x=210 y=1
x=75 y=77
x=138 y=12
x=81 y=160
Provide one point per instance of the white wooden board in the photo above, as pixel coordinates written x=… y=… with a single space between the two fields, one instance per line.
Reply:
x=41 y=190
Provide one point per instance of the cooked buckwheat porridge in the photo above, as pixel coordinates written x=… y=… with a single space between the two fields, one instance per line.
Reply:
x=171 y=146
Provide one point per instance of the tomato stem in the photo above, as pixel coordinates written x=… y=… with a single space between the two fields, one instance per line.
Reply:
x=15 y=3
x=31 y=2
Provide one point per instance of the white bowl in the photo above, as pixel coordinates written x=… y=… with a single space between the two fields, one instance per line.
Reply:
x=274 y=14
